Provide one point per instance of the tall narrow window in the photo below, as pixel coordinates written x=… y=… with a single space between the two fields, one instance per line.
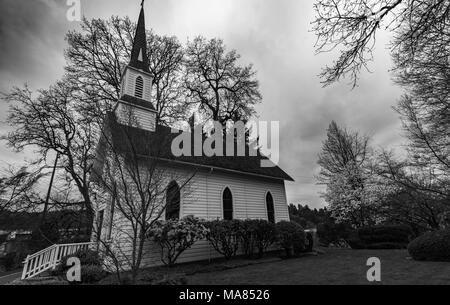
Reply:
x=173 y=201
x=139 y=87
x=270 y=209
x=227 y=199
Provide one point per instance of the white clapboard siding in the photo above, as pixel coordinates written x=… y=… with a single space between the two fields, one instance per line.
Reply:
x=202 y=197
x=134 y=116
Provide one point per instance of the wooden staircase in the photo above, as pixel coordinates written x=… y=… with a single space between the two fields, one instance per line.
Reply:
x=49 y=258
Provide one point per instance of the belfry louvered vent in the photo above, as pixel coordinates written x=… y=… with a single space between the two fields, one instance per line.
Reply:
x=139 y=87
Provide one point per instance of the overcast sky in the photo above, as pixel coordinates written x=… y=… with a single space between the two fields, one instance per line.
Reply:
x=274 y=35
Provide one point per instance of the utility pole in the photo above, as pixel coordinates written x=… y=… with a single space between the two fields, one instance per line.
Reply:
x=44 y=212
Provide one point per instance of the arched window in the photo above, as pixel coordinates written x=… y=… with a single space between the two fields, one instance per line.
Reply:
x=227 y=199
x=139 y=87
x=173 y=201
x=270 y=209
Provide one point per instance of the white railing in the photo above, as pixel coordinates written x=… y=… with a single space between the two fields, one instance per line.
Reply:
x=49 y=258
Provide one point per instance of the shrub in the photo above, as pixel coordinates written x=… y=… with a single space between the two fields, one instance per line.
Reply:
x=176 y=236
x=248 y=232
x=375 y=237
x=257 y=233
x=385 y=234
x=225 y=236
x=291 y=237
x=431 y=246
x=87 y=258
x=10 y=261
x=330 y=232
x=354 y=241
x=92 y=273
x=265 y=235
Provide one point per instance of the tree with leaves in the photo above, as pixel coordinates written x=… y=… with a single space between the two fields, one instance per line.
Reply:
x=341 y=149
x=346 y=172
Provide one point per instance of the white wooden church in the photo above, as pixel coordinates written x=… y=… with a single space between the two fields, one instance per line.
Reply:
x=222 y=187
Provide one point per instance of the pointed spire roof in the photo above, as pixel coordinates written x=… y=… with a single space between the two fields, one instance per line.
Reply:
x=139 y=51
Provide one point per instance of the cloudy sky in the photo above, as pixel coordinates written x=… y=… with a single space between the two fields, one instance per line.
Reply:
x=274 y=35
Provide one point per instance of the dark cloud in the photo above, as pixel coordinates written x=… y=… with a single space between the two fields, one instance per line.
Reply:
x=32 y=40
x=273 y=35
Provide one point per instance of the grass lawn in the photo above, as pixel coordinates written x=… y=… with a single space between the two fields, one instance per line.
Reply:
x=336 y=266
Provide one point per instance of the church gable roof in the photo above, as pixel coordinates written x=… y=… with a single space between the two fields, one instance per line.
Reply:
x=137 y=101
x=158 y=144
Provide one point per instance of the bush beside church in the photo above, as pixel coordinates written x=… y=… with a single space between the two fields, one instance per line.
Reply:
x=253 y=236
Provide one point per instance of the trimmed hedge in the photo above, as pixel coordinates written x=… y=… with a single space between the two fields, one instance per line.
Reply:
x=265 y=235
x=431 y=246
x=225 y=236
x=385 y=234
x=248 y=229
x=257 y=234
x=254 y=235
x=380 y=237
x=291 y=237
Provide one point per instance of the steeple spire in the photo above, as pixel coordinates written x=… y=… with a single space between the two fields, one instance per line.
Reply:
x=139 y=51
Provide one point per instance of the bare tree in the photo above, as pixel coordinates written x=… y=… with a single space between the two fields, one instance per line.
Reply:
x=428 y=131
x=424 y=71
x=97 y=55
x=166 y=57
x=51 y=122
x=134 y=182
x=350 y=26
x=421 y=197
x=18 y=189
x=223 y=90
x=424 y=110
x=421 y=52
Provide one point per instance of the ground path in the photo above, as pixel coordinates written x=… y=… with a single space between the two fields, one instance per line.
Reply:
x=10 y=276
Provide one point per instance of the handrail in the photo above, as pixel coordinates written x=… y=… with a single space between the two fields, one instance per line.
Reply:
x=76 y=244
x=41 y=251
x=55 y=245
x=49 y=258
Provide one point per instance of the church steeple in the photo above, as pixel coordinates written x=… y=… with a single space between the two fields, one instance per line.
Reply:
x=139 y=51
x=134 y=107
